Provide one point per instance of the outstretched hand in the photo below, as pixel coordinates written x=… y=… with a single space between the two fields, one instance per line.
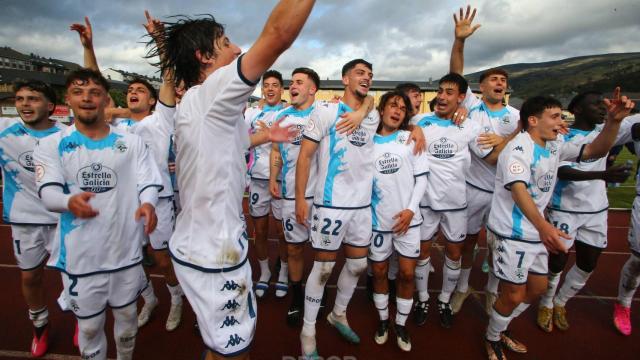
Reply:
x=276 y=132
x=85 y=32
x=154 y=27
x=618 y=107
x=464 y=27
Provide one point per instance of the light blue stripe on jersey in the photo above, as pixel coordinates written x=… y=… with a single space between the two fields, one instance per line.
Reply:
x=284 y=153
x=380 y=139
x=66 y=226
x=18 y=129
x=433 y=119
x=516 y=219
x=74 y=140
x=556 y=199
x=375 y=201
x=335 y=158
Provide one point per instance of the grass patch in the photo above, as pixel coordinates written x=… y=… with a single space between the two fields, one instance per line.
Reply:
x=622 y=197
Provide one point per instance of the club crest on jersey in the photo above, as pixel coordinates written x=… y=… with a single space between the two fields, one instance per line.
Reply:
x=545 y=181
x=443 y=148
x=120 y=146
x=96 y=178
x=505 y=120
x=402 y=138
x=388 y=163
x=298 y=128
x=26 y=161
x=310 y=125
x=358 y=137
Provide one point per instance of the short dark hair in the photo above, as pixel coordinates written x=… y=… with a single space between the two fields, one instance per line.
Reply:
x=86 y=75
x=310 y=73
x=38 y=86
x=351 y=64
x=152 y=90
x=408 y=87
x=273 y=74
x=407 y=103
x=457 y=79
x=535 y=106
x=495 y=71
x=182 y=38
x=578 y=99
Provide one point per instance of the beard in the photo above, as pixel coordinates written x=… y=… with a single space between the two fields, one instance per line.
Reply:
x=87 y=120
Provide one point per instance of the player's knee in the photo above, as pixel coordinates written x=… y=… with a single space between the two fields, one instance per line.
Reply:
x=127 y=340
x=380 y=270
x=90 y=329
x=406 y=275
x=32 y=278
x=451 y=263
x=356 y=266
x=326 y=268
x=513 y=296
x=294 y=252
x=586 y=265
x=557 y=262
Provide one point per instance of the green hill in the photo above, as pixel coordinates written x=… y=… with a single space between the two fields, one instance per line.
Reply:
x=569 y=76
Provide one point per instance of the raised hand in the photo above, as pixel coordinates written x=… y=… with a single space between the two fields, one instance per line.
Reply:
x=619 y=106
x=464 y=27
x=154 y=27
x=85 y=32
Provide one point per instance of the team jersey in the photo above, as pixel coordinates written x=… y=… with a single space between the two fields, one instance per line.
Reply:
x=21 y=204
x=345 y=166
x=448 y=155
x=396 y=168
x=116 y=169
x=522 y=160
x=503 y=122
x=125 y=124
x=259 y=167
x=211 y=138
x=289 y=152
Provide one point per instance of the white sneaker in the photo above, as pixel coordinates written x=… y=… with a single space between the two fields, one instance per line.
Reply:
x=175 y=315
x=145 y=313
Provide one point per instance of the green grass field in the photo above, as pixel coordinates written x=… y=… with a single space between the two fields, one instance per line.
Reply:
x=622 y=197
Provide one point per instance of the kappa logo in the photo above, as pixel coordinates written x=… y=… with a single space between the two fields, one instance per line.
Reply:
x=230 y=286
x=26 y=161
x=234 y=340
x=231 y=305
x=70 y=146
x=518 y=148
x=500 y=260
x=96 y=178
x=229 y=321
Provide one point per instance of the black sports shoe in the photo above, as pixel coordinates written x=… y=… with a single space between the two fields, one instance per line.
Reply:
x=420 y=311
x=382 y=333
x=402 y=338
x=446 y=317
x=494 y=350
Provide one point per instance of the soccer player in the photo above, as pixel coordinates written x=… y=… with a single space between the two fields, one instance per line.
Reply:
x=399 y=182
x=414 y=94
x=152 y=118
x=444 y=203
x=500 y=120
x=305 y=83
x=32 y=226
x=209 y=245
x=104 y=182
x=579 y=208
x=260 y=199
x=520 y=236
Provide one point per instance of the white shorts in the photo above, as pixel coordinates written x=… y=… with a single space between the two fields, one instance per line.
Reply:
x=331 y=227
x=634 y=228
x=589 y=229
x=514 y=260
x=165 y=211
x=478 y=206
x=384 y=243
x=260 y=200
x=32 y=244
x=88 y=296
x=224 y=304
x=452 y=223
x=294 y=233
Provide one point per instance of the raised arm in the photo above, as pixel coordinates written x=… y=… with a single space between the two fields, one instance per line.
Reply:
x=282 y=28
x=86 y=39
x=463 y=29
x=155 y=29
x=615 y=173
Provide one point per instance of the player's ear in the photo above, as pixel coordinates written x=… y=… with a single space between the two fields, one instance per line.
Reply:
x=345 y=80
x=533 y=121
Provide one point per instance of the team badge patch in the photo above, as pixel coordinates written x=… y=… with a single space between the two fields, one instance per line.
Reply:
x=516 y=168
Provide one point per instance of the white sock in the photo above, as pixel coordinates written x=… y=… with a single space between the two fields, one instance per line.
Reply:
x=421 y=275
x=283 y=277
x=629 y=281
x=450 y=275
x=497 y=324
x=265 y=273
x=91 y=337
x=313 y=294
x=347 y=282
x=403 y=308
x=492 y=283
x=573 y=283
x=148 y=294
x=463 y=281
x=39 y=317
x=519 y=310
x=176 y=293
x=125 y=328
x=382 y=305
x=547 y=298
x=394 y=266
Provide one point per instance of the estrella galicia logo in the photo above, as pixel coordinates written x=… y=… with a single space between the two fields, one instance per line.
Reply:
x=443 y=148
x=545 y=181
x=359 y=137
x=26 y=161
x=388 y=163
x=96 y=178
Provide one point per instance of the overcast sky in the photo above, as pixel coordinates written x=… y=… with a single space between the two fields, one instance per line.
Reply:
x=405 y=39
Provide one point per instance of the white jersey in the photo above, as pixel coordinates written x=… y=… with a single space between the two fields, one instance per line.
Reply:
x=211 y=139
x=21 y=204
x=396 y=168
x=116 y=169
x=345 y=163
x=124 y=124
x=522 y=160
x=503 y=122
x=449 y=157
x=289 y=152
x=259 y=166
